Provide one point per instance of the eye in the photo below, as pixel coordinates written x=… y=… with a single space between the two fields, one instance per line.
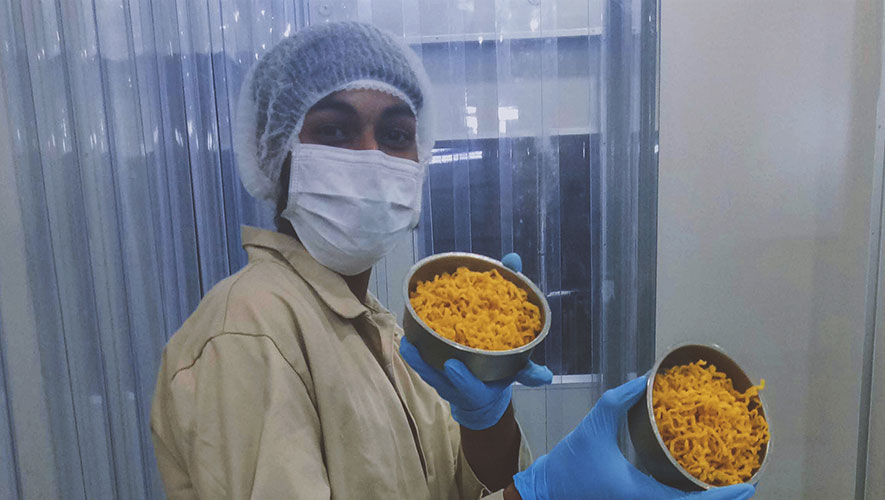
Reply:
x=397 y=138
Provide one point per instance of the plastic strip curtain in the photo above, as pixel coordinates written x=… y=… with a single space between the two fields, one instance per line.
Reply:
x=121 y=204
x=119 y=120
x=624 y=297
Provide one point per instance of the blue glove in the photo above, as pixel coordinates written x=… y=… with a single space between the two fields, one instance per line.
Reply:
x=513 y=261
x=475 y=404
x=588 y=464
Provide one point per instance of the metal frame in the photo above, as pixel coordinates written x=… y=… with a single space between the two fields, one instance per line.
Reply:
x=875 y=295
x=617 y=313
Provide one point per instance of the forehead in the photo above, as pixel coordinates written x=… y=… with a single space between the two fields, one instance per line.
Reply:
x=363 y=102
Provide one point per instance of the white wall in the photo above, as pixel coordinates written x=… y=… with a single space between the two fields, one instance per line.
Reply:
x=768 y=113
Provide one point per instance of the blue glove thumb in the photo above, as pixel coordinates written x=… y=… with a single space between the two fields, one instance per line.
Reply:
x=615 y=402
x=513 y=261
x=534 y=375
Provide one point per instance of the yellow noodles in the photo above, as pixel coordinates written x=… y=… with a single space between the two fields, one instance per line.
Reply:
x=715 y=432
x=477 y=309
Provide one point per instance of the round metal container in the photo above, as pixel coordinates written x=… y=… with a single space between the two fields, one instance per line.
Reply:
x=651 y=452
x=436 y=349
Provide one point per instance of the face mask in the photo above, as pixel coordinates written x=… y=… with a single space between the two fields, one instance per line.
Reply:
x=349 y=207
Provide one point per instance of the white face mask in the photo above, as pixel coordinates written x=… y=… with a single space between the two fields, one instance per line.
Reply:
x=350 y=207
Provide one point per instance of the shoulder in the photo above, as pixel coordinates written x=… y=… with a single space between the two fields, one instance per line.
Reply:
x=263 y=301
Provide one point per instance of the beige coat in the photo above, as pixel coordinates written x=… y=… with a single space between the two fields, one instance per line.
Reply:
x=283 y=385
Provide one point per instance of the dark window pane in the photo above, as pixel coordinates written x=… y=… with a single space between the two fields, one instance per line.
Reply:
x=569 y=348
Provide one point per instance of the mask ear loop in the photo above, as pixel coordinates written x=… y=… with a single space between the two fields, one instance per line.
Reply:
x=282 y=223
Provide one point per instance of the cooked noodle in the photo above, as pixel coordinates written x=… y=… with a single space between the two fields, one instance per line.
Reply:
x=477 y=309
x=715 y=432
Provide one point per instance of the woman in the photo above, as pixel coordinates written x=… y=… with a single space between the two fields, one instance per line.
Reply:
x=285 y=382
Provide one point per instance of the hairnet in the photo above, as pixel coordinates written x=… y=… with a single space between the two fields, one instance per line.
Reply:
x=303 y=69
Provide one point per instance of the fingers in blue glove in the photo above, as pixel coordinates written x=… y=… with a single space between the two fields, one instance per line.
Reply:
x=475 y=404
x=735 y=492
x=534 y=375
x=605 y=417
x=513 y=261
x=413 y=358
x=463 y=378
x=405 y=346
x=410 y=353
x=479 y=405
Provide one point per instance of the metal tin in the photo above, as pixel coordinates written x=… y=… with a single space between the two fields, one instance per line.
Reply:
x=651 y=452
x=436 y=349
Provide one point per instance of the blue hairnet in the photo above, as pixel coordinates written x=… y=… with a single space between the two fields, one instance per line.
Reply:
x=303 y=69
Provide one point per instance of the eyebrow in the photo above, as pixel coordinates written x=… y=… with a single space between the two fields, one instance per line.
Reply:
x=333 y=105
x=397 y=110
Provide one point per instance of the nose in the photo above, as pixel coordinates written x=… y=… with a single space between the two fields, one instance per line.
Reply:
x=367 y=140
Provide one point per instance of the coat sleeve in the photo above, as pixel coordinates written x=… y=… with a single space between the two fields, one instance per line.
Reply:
x=245 y=425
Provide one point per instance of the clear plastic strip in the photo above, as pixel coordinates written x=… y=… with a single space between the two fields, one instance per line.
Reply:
x=549 y=206
x=68 y=227
x=201 y=129
x=66 y=475
x=9 y=481
x=161 y=74
x=98 y=155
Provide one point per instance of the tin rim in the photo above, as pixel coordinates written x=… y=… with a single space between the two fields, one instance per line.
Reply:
x=649 y=389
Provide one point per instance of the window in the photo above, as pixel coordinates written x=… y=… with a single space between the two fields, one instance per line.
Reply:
x=465 y=209
x=547 y=147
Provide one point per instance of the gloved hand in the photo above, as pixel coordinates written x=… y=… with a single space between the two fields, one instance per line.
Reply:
x=475 y=404
x=588 y=464
x=513 y=261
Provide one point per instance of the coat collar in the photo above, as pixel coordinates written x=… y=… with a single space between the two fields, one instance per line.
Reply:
x=329 y=285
